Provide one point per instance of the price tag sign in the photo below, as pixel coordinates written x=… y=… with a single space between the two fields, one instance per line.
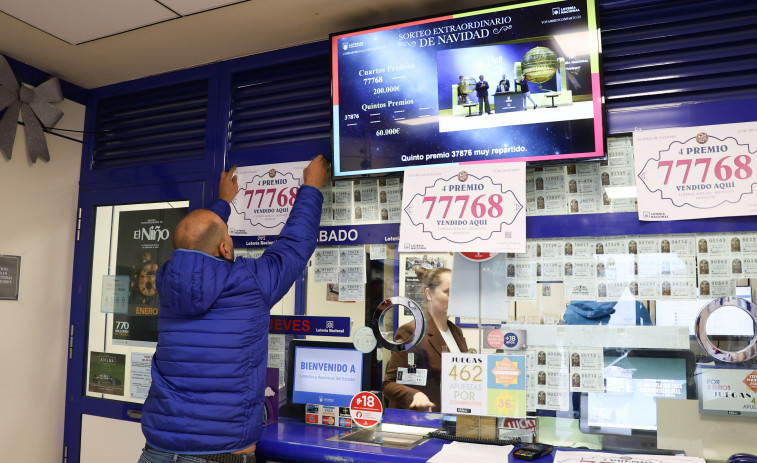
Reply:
x=696 y=172
x=481 y=384
x=265 y=199
x=464 y=208
x=366 y=409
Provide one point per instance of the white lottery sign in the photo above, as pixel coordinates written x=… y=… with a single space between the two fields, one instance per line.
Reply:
x=696 y=172
x=470 y=208
x=265 y=198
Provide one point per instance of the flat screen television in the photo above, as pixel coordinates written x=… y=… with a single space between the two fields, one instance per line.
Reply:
x=324 y=372
x=626 y=413
x=405 y=94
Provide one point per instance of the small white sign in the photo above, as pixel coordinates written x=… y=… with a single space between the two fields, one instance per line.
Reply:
x=418 y=378
x=696 y=172
x=364 y=339
x=464 y=208
x=728 y=391
x=265 y=198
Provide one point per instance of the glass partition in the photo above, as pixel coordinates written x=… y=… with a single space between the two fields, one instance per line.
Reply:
x=610 y=320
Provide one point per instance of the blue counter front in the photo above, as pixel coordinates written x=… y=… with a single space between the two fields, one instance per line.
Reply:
x=294 y=441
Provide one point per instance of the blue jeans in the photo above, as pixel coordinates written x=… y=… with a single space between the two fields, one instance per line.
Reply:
x=528 y=95
x=156 y=456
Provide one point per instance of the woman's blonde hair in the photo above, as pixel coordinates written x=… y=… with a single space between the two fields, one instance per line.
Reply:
x=431 y=278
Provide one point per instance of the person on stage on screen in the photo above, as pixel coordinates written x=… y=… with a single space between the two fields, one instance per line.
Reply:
x=503 y=85
x=462 y=91
x=523 y=84
x=206 y=400
x=441 y=336
x=482 y=90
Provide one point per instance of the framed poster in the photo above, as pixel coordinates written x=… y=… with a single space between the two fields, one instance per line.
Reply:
x=145 y=242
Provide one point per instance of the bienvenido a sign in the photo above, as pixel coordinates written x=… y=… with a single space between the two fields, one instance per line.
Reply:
x=464 y=208
x=265 y=199
x=696 y=172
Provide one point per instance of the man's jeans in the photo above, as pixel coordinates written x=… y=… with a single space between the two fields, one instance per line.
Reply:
x=156 y=456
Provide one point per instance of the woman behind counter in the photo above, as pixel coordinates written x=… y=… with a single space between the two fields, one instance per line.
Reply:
x=441 y=335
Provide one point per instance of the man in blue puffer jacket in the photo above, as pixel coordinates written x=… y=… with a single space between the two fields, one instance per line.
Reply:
x=208 y=373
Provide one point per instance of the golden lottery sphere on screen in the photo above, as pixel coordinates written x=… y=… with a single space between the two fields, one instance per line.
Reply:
x=539 y=64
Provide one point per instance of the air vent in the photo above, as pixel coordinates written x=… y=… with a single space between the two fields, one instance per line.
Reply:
x=156 y=125
x=672 y=53
x=282 y=104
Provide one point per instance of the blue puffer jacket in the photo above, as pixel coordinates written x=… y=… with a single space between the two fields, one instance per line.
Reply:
x=599 y=313
x=208 y=372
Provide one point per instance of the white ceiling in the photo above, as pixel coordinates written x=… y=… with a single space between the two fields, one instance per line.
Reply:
x=92 y=43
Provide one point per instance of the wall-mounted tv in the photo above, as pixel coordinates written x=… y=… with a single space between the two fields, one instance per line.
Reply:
x=410 y=94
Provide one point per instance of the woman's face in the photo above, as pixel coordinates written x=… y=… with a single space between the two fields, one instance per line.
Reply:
x=438 y=299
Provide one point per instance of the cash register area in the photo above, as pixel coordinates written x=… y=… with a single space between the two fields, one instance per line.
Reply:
x=630 y=384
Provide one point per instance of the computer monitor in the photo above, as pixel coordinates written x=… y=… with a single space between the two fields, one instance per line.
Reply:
x=626 y=413
x=325 y=373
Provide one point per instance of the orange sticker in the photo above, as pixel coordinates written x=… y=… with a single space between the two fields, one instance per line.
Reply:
x=506 y=372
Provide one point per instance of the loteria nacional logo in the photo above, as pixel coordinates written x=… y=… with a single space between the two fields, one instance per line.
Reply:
x=751 y=380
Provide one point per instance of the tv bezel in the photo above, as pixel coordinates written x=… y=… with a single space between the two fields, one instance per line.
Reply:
x=691 y=390
x=298 y=409
x=537 y=163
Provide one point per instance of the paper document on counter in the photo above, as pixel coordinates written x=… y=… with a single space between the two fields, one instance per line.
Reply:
x=456 y=452
x=603 y=457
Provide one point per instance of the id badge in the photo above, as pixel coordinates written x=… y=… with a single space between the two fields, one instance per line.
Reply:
x=413 y=379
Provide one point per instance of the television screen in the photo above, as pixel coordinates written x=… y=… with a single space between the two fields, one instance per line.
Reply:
x=634 y=381
x=632 y=387
x=519 y=81
x=325 y=373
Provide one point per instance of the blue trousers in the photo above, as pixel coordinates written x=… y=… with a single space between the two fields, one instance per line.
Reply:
x=156 y=456
x=481 y=102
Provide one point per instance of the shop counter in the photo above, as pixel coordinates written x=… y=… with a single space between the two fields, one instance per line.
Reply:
x=292 y=440
x=295 y=441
